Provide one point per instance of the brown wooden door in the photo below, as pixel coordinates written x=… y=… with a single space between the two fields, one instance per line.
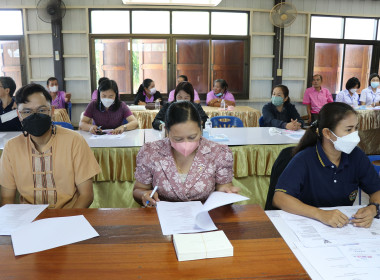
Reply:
x=112 y=61
x=228 y=63
x=193 y=61
x=10 y=64
x=328 y=63
x=152 y=59
x=357 y=63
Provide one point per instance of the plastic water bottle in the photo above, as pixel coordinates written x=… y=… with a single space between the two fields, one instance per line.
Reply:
x=208 y=128
x=163 y=132
x=157 y=104
x=223 y=105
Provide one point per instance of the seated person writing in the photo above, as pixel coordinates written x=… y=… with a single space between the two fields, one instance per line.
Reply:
x=183 y=92
x=60 y=98
x=46 y=164
x=184 y=165
x=219 y=93
x=327 y=170
x=9 y=120
x=108 y=112
x=349 y=95
x=94 y=95
x=147 y=93
x=183 y=78
x=280 y=112
x=371 y=94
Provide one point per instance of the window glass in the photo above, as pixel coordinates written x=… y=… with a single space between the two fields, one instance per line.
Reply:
x=10 y=61
x=151 y=22
x=228 y=23
x=360 y=29
x=11 y=23
x=190 y=22
x=106 y=22
x=326 y=27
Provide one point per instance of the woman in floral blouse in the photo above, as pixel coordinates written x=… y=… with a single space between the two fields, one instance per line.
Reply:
x=184 y=166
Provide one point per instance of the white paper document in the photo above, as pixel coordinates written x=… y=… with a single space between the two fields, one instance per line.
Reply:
x=14 y=216
x=108 y=136
x=8 y=116
x=192 y=216
x=363 y=255
x=51 y=233
x=312 y=233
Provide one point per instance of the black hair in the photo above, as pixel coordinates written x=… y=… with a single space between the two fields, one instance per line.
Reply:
x=184 y=77
x=373 y=75
x=101 y=80
x=352 y=82
x=8 y=82
x=284 y=90
x=23 y=93
x=319 y=75
x=329 y=117
x=106 y=85
x=181 y=112
x=146 y=83
x=186 y=87
x=50 y=80
x=222 y=83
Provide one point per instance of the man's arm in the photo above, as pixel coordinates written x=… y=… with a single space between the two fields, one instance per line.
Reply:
x=86 y=194
x=7 y=196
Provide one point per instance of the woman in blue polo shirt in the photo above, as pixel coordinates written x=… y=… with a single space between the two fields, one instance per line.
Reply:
x=327 y=170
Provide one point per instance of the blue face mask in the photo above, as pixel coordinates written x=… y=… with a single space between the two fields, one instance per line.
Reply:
x=374 y=84
x=277 y=100
x=218 y=94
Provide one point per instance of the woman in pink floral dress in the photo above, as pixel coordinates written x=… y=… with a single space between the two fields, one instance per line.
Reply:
x=184 y=165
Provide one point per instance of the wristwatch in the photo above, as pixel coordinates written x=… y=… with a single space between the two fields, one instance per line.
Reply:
x=377 y=209
x=125 y=127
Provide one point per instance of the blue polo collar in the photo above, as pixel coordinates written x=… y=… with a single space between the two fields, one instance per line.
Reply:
x=325 y=162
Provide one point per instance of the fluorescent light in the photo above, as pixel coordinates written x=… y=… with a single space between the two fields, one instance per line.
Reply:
x=174 y=2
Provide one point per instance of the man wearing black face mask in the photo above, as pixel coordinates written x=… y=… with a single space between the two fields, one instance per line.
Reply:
x=47 y=164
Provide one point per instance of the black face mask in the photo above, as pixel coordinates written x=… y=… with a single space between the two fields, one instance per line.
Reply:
x=36 y=124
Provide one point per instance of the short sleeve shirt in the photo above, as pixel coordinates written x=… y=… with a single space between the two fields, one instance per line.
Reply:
x=226 y=96
x=213 y=164
x=313 y=179
x=11 y=125
x=68 y=162
x=345 y=97
x=370 y=97
x=108 y=119
x=59 y=101
x=317 y=99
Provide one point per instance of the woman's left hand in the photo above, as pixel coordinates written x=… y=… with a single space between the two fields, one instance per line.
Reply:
x=364 y=217
x=118 y=130
x=228 y=188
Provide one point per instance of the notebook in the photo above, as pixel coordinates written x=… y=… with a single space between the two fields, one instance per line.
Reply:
x=208 y=245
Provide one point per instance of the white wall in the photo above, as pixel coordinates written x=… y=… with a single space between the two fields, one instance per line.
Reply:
x=77 y=66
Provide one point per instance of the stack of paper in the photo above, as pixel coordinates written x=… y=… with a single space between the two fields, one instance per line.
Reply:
x=192 y=216
x=202 y=246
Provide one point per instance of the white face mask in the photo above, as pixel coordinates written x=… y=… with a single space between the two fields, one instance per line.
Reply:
x=152 y=91
x=107 y=102
x=346 y=143
x=353 y=90
x=53 y=89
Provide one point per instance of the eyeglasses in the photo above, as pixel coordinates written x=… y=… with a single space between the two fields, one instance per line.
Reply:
x=27 y=112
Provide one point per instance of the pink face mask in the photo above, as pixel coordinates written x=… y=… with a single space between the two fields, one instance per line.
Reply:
x=185 y=148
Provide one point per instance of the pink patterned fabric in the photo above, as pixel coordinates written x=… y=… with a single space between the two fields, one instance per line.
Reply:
x=213 y=164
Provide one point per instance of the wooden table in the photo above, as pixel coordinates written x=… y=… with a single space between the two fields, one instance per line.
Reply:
x=131 y=246
x=248 y=115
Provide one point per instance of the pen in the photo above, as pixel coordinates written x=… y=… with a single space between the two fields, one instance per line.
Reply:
x=151 y=195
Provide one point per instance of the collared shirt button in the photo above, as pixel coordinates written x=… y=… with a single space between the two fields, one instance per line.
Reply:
x=334 y=181
x=332 y=166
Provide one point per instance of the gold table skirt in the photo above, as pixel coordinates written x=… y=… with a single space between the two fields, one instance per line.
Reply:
x=248 y=115
x=368 y=119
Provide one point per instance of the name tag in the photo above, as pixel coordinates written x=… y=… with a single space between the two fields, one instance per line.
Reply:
x=8 y=116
